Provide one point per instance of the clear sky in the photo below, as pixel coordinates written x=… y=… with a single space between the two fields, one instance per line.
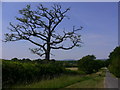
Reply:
x=99 y=35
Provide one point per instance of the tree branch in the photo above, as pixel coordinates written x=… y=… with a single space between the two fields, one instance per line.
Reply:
x=41 y=24
x=36 y=44
x=36 y=51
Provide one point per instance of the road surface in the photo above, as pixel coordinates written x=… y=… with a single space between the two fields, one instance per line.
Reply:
x=110 y=81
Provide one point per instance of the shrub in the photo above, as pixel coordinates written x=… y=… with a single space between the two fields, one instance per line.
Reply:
x=89 y=65
x=27 y=72
x=86 y=64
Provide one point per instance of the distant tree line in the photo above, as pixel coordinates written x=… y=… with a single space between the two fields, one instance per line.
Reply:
x=24 y=60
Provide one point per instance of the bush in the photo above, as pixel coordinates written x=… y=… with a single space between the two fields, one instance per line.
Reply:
x=89 y=65
x=86 y=64
x=17 y=72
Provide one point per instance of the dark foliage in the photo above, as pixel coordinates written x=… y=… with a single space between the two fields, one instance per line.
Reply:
x=88 y=64
x=114 y=60
x=26 y=72
x=69 y=63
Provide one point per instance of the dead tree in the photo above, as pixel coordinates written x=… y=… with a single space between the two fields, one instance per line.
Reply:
x=38 y=27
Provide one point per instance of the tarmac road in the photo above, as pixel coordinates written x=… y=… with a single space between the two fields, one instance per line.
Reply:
x=110 y=80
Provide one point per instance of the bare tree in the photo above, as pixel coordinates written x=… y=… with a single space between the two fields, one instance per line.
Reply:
x=41 y=24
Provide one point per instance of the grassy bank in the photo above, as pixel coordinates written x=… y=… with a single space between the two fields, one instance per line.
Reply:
x=70 y=81
x=59 y=82
x=95 y=80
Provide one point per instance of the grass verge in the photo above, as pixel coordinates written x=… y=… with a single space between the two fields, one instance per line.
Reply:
x=70 y=81
x=59 y=82
x=95 y=80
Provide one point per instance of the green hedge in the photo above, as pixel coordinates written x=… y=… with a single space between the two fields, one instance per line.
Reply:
x=114 y=59
x=17 y=72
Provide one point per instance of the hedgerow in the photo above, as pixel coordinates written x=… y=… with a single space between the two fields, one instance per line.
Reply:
x=18 y=72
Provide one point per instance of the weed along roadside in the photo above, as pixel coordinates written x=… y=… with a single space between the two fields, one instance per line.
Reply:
x=94 y=80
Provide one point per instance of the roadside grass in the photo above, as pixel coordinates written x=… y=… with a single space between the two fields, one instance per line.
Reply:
x=59 y=82
x=95 y=80
x=113 y=75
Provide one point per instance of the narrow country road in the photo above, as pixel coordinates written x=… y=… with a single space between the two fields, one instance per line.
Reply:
x=110 y=81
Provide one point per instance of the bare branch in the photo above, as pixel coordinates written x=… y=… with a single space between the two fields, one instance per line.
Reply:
x=41 y=24
x=36 y=51
x=36 y=44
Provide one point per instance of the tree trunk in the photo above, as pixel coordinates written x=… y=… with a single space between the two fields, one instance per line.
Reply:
x=47 y=55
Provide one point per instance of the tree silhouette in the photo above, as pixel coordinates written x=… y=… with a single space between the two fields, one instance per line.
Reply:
x=38 y=27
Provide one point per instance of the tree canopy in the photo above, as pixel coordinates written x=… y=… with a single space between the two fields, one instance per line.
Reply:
x=39 y=28
x=114 y=60
x=88 y=64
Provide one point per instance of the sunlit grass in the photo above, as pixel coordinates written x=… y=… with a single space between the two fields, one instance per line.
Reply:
x=95 y=80
x=60 y=82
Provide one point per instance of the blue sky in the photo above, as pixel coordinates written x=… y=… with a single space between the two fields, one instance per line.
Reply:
x=99 y=35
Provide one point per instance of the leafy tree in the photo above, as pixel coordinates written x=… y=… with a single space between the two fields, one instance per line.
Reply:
x=39 y=26
x=114 y=59
x=86 y=64
x=98 y=64
x=107 y=62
